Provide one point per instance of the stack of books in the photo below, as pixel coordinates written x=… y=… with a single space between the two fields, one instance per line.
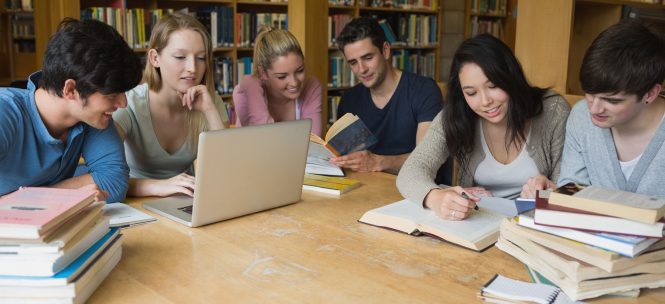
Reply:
x=591 y=241
x=55 y=245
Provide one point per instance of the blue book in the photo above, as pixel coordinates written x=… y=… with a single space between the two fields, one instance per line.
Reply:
x=71 y=272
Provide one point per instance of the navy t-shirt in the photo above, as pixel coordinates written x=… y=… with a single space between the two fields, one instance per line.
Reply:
x=416 y=99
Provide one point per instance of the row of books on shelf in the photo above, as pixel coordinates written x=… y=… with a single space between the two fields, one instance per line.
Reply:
x=335 y=25
x=56 y=245
x=247 y=25
x=591 y=241
x=341 y=2
x=489 y=7
x=403 y=4
x=493 y=27
x=23 y=30
x=333 y=103
x=225 y=69
x=136 y=24
x=412 y=29
x=417 y=62
x=339 y=73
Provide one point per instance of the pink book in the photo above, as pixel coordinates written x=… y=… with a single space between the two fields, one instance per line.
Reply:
x=32 y=212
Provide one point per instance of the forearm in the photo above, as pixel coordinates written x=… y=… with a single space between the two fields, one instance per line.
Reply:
x=139 y=187
x=391 y=163
x=214 y=119
x=75 y=182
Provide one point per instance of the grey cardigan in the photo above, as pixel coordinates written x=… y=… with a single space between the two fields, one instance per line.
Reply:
x=545 y=145
x=589 y=157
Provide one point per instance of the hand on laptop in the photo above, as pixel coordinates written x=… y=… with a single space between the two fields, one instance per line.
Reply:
x=181 y=183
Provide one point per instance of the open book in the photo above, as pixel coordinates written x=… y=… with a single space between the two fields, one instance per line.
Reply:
x=477 y=232
x=348 y=134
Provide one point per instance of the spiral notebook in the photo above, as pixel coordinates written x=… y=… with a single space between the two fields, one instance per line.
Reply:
x=505 y=290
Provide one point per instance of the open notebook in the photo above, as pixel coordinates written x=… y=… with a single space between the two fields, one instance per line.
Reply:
x=505 y=290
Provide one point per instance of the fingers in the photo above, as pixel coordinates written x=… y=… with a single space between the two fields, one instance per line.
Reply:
x=451 y=205
x=534 y=184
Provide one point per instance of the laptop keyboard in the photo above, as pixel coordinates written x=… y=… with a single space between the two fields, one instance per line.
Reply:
x=187 y=209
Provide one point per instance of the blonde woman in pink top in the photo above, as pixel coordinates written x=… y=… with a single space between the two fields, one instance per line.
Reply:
x=278 y=89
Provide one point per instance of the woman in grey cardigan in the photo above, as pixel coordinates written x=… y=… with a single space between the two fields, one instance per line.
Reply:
x=500 y=131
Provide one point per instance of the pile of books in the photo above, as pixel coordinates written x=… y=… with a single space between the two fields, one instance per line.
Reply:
x=591 y=241
x=55 y=246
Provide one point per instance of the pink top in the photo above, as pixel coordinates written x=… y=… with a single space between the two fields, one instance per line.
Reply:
x=249 y=100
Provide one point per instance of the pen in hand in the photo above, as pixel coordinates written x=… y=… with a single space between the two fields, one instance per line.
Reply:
x=466 y=196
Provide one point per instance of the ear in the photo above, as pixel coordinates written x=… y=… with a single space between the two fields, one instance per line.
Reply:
x=386 y=50
x=153 y=57
x=652 y=94
x=263 y=76
x=69 y=90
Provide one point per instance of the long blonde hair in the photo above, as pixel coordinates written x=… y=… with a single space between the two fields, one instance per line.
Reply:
x=195 y=121
x=271 y=43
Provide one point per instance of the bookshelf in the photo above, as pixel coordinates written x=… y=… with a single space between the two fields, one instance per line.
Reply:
x=17 y=54
x=552 y=57
x=416 y=26
x=496 y=17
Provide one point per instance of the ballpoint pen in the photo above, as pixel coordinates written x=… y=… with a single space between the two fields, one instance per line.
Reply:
x=466 y=196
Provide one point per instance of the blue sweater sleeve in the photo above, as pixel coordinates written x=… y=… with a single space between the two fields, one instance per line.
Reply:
x=104 y=155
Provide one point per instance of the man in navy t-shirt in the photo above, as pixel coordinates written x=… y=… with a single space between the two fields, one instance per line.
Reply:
x=396 y=106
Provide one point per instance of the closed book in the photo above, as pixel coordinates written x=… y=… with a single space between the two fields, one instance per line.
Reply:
x=611 y=202
x=77 y=291
x=125 y=216
x=49 y=264
x=584 y=289
x=72 y=271
x=622 y=244
x=477 y=232
x=559 y=216
x=329 y=184
x=31 y=212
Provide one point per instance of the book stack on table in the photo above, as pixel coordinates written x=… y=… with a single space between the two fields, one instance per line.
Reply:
x=56 y=246
x=591 y=241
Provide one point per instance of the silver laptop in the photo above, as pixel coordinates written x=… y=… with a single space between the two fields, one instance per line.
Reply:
x=241 y=171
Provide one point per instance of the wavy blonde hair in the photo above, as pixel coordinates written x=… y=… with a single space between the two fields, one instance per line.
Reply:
x=195 y=122
x=271 y=43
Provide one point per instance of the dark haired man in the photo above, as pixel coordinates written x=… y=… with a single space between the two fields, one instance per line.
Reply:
x=396 y=106
x=65 y=113
x=615 y=137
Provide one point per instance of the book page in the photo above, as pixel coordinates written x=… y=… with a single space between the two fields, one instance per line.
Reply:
x=621 y=197
x=473 y=228
x=402 y=215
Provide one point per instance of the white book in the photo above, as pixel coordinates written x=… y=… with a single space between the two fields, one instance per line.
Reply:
x=126 y=216
x=625 y=245
x=50 y=263
x=477 y=232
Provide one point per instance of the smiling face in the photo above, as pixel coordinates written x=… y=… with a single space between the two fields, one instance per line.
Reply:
x=98 y=109
x=611 y=110
x=483 y=97
x=368 y=62
x=285 y=76
x=182 y=63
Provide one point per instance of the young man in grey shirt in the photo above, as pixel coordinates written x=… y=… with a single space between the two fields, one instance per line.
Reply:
x=614 y=138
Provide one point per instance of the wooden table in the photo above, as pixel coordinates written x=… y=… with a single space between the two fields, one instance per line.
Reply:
x=313 y=251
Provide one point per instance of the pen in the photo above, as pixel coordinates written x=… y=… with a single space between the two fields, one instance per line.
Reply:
x=464 y=195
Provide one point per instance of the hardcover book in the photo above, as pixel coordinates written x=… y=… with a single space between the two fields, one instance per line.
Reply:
x=348 y=134
x=31 y=212
x=329 y=184
x=612 y=202
x=559 y=216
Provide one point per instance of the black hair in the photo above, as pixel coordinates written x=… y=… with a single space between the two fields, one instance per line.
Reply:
x=501 y=68
x=359 y=29
x=94 y=55
x=627 y=57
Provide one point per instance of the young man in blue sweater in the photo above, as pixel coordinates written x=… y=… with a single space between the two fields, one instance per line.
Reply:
x=65 y=114
x=615 y=136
